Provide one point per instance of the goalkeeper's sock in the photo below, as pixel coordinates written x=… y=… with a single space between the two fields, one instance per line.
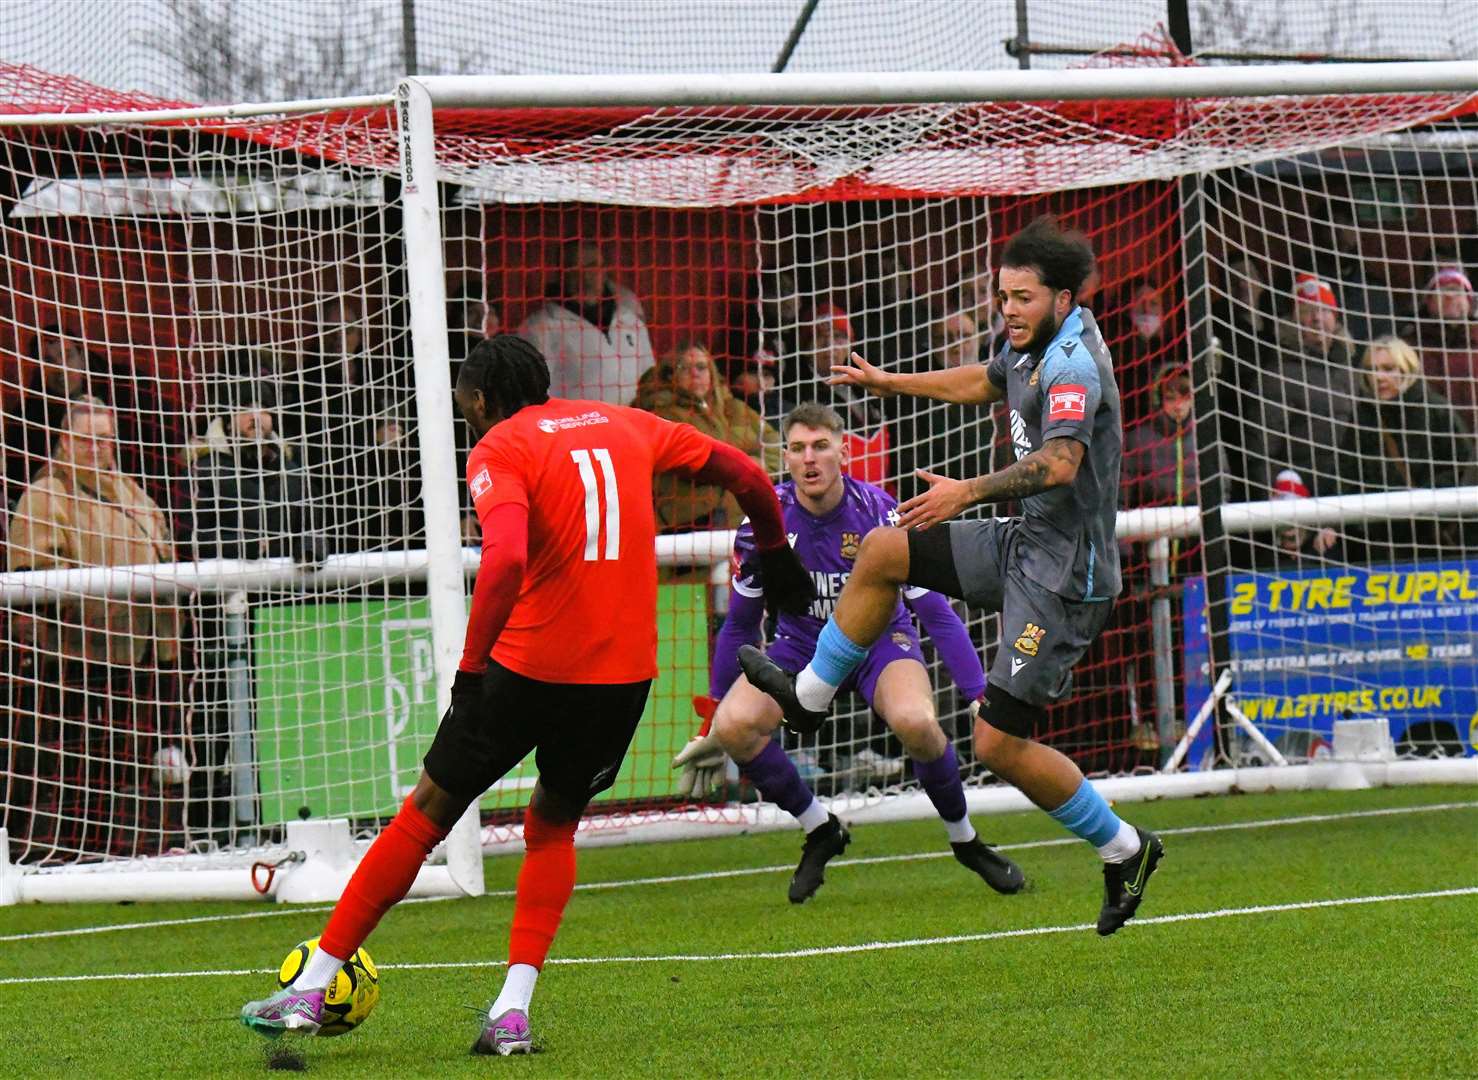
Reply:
x=836 y=657
x=1088 y=816
x=517 y=992
x=940 y=780
x=775 y=777
x=545 y=882
x=381 y=880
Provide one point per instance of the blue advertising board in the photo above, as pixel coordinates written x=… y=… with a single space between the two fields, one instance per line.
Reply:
x=1308 y=647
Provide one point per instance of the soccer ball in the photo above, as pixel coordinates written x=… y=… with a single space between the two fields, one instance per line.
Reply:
x=351 y=997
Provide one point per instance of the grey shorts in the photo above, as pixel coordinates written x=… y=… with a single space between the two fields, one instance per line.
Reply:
x=1042 y=634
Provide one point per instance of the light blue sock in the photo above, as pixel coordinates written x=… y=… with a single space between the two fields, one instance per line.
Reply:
x=836 y=655
x=1088 y=816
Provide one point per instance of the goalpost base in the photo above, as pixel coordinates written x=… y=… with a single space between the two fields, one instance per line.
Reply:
x=596 y=831
x=313 y=866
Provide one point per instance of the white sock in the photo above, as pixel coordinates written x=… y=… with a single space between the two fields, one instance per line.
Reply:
x=1124 y=845
x=960 y=832
x=318 y=972
x=813 y=816
x=814 y=692
x=518 y=990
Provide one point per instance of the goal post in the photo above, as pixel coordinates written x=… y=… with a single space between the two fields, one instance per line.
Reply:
x=322 y=264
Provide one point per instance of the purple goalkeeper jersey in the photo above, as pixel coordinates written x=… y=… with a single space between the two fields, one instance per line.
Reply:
x=827 y=546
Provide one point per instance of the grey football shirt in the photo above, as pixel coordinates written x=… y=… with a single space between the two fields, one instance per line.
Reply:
x=1067 y=540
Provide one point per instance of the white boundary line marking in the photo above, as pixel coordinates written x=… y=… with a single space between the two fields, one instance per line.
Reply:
x=749 y=871
x=796 y=954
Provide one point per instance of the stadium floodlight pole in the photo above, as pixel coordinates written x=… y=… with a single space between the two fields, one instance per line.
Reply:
x=426 y=283
x=898 y=88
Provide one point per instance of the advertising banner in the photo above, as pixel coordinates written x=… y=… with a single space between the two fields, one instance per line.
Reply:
x=1309 y=647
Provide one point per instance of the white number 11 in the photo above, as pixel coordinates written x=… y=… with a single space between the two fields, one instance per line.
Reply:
x=592 y=504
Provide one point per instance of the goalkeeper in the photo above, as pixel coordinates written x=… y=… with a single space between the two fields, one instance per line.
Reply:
x=826 y=516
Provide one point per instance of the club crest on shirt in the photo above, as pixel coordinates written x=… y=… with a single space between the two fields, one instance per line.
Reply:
x=481 y=483
x=1036 y=375
x=1030 y=640
x=851 y=542
x=901 y=640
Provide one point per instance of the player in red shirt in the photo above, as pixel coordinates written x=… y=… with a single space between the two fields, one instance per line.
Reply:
x=560 y=653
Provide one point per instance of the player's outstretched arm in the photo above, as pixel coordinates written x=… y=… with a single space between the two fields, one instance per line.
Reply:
x=951 y=640
x=1054 y=465
x=965 y=385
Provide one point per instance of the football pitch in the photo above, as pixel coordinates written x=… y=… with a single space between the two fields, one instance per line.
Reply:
x=1318 y=934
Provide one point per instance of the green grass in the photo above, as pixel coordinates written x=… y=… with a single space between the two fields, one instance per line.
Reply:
x=1380 y=989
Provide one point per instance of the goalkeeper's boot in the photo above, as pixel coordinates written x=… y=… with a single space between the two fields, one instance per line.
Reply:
x=287 y=1010
x=1123 y=883
x=997 y=871
x=823 y=843
x=772 y=679
x=507 y=1033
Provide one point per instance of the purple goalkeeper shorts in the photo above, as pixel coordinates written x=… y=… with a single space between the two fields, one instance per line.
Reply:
x=899 y=642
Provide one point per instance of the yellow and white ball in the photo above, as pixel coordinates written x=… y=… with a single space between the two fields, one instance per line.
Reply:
x=351 y=997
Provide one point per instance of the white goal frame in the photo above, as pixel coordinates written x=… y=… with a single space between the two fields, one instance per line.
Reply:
x=325 y=855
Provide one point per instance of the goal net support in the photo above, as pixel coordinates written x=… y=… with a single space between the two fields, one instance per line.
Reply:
x=237 y=541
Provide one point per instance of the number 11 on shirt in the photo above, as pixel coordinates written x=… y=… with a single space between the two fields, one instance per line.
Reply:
x=592 y=504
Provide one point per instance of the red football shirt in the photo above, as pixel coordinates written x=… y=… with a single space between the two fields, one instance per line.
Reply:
x=587 y=609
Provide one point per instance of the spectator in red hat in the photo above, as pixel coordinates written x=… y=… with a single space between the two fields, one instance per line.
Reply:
x=1293 y=543
x=1316 y=311
x=1308 y=403
x=1448 y=334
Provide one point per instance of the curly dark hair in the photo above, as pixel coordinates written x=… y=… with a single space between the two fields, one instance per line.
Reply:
x=1062 y=259
x=509 y=371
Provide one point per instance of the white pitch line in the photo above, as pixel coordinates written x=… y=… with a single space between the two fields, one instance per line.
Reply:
x=750 y=871
x=799 y=954
x=1066 y=841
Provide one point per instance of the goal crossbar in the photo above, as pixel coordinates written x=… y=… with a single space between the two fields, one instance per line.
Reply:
x=898 y=88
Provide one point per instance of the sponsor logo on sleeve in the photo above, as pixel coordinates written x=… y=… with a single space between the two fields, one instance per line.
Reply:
x=1067 y=402
x=482 y=483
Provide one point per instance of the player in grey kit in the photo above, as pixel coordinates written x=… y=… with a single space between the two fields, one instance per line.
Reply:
x=826 y=515
x=1052 y=573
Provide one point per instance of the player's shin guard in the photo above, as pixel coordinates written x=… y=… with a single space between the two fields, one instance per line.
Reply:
x=940 y=780
x=381 y=880
x=545 y=882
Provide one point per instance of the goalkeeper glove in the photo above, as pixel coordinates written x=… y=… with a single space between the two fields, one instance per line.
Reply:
x=788 y=585
x=703 y=761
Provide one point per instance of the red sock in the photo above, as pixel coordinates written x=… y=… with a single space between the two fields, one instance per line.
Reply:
x=381 y=880
x=545 y=882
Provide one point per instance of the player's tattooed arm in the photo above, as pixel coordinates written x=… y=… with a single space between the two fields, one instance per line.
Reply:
x=1055 y=464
